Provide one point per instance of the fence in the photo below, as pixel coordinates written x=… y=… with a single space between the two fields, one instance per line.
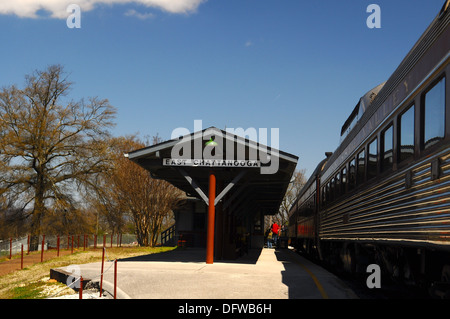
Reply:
x=13 y=246
x=22 y=245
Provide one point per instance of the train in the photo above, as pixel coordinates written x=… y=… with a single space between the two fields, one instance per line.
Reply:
x=383 y=196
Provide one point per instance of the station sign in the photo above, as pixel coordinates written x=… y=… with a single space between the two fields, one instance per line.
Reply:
x=210 y=163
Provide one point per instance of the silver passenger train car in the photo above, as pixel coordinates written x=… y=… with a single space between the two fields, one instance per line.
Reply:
x=383 y=196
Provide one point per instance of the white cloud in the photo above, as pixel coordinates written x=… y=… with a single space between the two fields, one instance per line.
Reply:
x=248 y=43
x=142 y=16
x=57 y=8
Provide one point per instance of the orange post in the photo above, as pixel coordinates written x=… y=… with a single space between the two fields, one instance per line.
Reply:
x=80 y=292
x=211 y=217
x=101 y=273
x=115 y=279
x=42 y=248
x=57 y=246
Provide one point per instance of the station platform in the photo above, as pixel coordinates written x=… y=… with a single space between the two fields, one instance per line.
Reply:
x=184 y=274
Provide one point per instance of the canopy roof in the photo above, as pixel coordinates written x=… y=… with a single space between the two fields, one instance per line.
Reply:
x=242 y=168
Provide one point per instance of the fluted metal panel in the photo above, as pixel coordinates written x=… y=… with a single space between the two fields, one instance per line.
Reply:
x=389 y=210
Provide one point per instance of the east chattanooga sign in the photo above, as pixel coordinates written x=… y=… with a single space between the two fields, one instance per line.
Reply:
x=211 y=162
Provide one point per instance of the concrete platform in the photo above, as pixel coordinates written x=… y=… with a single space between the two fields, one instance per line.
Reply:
x=184 y=274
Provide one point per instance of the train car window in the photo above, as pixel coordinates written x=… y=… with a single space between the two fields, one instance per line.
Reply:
x=361 y=168
x=337 y=189
x=434 y=114
x=387 y=148
x=343 y=180
x=372 y=159
x=332 y=189
x=406 y=138
x=352 y=174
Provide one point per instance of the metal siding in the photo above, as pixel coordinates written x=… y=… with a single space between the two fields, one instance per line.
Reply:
x=390 y=211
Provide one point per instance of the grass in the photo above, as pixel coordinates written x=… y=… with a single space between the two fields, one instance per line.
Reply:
x=34 y=282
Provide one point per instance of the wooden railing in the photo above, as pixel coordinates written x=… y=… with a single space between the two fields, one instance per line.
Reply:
x=167 y=236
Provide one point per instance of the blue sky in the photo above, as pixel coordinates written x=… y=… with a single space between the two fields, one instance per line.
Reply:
x=300 y=66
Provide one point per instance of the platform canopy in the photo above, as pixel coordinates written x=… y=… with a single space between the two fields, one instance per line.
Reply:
x=251 y=177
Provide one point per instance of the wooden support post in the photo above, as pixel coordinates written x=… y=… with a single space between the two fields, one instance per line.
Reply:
x=211 y=217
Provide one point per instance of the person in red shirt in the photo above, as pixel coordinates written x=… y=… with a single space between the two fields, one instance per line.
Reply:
x=275 y=231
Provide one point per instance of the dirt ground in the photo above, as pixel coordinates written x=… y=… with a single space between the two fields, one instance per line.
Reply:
x=8 y=265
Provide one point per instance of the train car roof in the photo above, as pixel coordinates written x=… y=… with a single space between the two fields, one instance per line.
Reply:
x=386 y=89
x=361 y=107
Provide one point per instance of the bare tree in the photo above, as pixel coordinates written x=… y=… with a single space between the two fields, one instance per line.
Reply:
x=50 y=145
x=297 y=181
x=111 y=216
x=130 y=189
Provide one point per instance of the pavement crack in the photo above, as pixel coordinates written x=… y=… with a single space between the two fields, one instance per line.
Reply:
x=200 y=269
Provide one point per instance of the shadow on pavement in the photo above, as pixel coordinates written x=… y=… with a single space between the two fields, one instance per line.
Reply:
x=295 y=276
x=194 y=255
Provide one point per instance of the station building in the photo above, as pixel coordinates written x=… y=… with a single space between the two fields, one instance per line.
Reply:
x=230 y=182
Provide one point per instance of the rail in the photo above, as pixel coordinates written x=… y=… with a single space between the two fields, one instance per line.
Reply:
x=167 y=236
x=13 y=246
